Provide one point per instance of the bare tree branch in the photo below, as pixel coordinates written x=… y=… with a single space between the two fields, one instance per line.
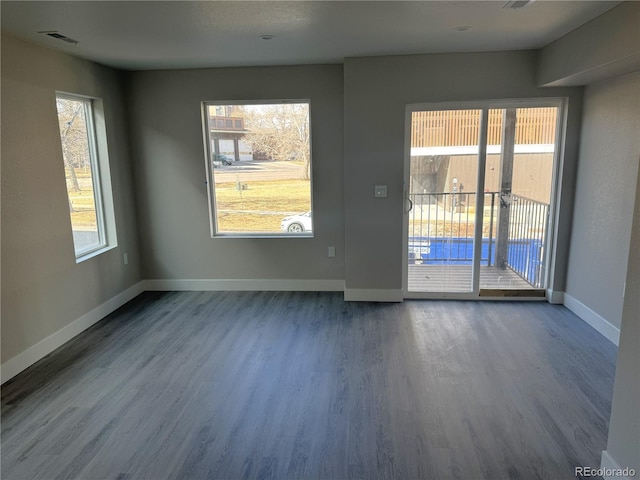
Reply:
x=73 y=136
x=281 y=132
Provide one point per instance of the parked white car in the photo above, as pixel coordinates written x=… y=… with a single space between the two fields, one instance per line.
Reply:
x=299 y=223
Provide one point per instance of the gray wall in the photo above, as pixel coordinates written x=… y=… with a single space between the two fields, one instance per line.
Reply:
x=170 y=170
x=624 y=427
x=607 y=46
x=606 y=183
x=604 y=226
x=43 y=289
x=376 y=92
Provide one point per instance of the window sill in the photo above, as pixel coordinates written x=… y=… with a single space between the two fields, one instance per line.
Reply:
x=262 y=235
x=94 y=253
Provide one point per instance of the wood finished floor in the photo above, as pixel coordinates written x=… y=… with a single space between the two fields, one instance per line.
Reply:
x=196 y=385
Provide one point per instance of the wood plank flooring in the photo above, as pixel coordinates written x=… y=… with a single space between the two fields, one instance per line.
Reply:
x=196 y=385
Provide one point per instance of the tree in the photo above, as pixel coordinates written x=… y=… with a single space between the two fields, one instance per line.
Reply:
x=73 y=136
x=280 y=132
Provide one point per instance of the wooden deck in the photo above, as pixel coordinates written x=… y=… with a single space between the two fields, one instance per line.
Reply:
x=457 y=278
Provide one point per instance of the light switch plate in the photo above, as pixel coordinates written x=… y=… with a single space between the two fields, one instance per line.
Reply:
x=380 y=191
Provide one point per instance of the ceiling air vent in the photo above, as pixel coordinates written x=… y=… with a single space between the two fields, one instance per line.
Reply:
x=515 y=4
x=59 y=36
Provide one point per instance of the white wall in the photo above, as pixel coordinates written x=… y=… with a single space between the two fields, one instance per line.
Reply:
x=606 y=185
x=170 y=170
x=43 y=289
x=376 y=92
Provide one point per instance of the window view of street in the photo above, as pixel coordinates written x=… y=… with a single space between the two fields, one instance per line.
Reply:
x=259 y=160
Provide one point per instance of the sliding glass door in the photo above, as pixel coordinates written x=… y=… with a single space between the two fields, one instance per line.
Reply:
x=479 y=183
x=442 y=182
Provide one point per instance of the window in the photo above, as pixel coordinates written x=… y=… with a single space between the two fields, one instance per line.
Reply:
x=87 y=174
x=259 y=168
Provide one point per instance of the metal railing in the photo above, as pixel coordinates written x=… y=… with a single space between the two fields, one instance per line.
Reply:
x=527 y=235
x=442 y=227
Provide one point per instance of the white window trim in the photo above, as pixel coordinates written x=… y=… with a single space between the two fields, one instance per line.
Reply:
x=100 y=176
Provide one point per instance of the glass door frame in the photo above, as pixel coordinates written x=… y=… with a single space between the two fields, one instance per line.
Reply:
x=484 y=106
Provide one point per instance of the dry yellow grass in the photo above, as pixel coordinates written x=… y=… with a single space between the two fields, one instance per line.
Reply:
x=248 y=222
x=273 y=195
x=447 y=228
x=281 y=197
x=84 y=211
x=262 y=206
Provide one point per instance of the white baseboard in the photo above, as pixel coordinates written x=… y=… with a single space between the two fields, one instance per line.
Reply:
x=609 y=465
x=244 y=285
x=31 y=355
x=373 y=295
x=554 y=297
x=606 y=329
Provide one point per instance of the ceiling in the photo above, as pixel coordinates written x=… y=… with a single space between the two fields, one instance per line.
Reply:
x=185 y=34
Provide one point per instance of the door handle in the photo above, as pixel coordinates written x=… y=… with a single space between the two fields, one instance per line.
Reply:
x=505 y=200
x=408 y=198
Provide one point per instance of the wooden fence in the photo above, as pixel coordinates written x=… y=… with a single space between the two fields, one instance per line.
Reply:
x=448 y=128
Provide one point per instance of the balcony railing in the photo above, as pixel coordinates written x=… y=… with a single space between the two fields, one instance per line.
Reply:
x=442 y=225
x=232 y=124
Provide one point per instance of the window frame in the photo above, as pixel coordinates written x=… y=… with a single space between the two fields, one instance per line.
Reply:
x=209 y=173
x=100 y=175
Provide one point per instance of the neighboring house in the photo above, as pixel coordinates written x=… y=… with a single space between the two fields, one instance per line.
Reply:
x=227 y=133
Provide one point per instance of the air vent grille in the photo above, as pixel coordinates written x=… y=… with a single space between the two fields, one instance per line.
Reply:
x=515 y=4
x=59 y=36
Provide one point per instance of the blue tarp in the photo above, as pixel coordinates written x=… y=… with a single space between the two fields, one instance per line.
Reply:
x=524 y=255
